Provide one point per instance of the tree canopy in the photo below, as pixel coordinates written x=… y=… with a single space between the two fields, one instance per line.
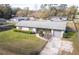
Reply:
x=5 y=11
x=47 y=10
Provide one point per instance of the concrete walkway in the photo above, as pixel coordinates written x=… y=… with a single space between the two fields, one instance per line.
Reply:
x=56 y=46
x=52 y=47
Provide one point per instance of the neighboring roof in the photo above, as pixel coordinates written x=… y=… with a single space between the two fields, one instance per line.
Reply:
x=19 y=18
x=77 y=16
x=58 y=18
x=2 y=19
x=61 y=25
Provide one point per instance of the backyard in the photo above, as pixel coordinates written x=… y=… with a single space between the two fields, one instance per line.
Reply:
x=12 y=42
x=75 y=40
x=73 y=37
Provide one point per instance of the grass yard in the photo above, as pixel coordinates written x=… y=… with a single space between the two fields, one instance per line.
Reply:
x=12 y=42
x=74 y=38
x=75 y=45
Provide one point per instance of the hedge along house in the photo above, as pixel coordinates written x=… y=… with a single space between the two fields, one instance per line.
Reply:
x=44 y=28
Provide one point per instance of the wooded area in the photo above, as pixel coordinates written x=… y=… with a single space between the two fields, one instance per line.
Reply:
x=6 y=11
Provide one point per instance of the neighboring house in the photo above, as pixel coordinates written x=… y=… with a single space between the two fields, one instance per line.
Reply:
x=17 y=19
x=62 y=6
x=77 y=16
x=2 y=20
x=45 y=28
x=32 y=18
x=58 y=18
x=76 y=19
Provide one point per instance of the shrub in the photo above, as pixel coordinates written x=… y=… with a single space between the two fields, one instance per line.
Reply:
x=34 y=52
x=29 y=32
x=68 y=34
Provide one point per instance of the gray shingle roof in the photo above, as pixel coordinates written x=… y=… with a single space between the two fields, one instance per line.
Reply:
x=61 y=25
x=17 y=18
x=20 y=18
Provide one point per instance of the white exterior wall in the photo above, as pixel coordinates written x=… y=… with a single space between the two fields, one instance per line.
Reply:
x=14 y=19
x=25 y=28
x=52 y=32
x=34 y=29
x=56 y=33
x=17 y=27
x=32 y=18
x=62 y=34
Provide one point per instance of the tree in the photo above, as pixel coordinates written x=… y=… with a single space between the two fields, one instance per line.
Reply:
x=53 y=11
x=6 y=11
x=71 y=11
x=23 y=12
x=42 y=13
x=1 y=14
x=15 y=10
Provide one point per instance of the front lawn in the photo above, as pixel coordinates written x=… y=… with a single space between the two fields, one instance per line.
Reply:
x=12 y=42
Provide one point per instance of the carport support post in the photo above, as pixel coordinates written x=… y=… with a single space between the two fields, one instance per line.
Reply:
x=52 y=32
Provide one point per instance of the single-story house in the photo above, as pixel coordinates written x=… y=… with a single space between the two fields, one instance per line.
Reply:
x=76 y=19
x=45 y=28
x=17 y=19
x=2 y=20
x=77 y=16
x=55 y=18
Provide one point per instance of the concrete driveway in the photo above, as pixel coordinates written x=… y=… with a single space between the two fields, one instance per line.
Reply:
x=56 y=46
x=52 y=47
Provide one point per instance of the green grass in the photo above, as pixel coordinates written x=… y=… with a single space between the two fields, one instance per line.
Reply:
x=20 y=43
x=75 y=41
x=68 y=34
x=74 y=38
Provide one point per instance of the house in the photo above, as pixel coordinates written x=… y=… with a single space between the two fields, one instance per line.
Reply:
x=44 y=28
x=62 y=6
x=76 y=19
x=32 y=18
x=2 y=20
x=77 y=16
x=17 y=19
x=55 y=18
